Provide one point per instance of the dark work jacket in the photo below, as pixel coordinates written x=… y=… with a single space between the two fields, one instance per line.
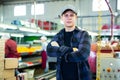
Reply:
x=80 y=40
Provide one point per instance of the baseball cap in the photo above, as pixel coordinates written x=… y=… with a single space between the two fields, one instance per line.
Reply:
x=68 y=8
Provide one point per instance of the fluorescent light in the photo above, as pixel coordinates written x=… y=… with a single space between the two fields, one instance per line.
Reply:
x=3 y=33
x=53 y=33
x=5 y=26
x=12 y=34
x=17 y=35
x=46 y=32
x=27 y=29
x=43 y=32
x=92 y=33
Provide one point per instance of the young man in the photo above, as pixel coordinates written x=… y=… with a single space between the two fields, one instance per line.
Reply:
x=71 y=46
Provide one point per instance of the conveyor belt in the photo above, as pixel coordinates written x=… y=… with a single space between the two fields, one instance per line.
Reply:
x=46 y=76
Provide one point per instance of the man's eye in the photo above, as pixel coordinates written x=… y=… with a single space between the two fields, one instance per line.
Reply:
x=66 y=15
x=72 y=15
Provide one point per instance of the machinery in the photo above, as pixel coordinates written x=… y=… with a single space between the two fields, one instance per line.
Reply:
x=110 y=68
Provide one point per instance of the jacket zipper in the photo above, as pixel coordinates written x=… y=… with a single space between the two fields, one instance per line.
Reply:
x=77 y=62
x=78 y=71
x=71 y=39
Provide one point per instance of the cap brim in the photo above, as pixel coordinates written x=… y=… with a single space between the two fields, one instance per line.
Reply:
x=68 y=8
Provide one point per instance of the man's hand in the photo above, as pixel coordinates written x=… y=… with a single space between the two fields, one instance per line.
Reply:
x=54 y=43
x=75 y=49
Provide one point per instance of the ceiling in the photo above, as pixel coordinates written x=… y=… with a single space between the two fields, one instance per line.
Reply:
x=26 y=1
x=5 y=2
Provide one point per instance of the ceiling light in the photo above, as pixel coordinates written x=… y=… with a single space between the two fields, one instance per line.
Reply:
x=27 y=29
x=46 y=32
x=5 y=26
x=43 y=32
x=3 y=33
x=92 y=33
x=17 y=35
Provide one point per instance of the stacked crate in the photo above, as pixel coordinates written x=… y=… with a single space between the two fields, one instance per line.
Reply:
x=7 y=65
x=2 y=45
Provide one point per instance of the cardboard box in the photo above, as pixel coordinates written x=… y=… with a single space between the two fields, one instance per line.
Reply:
x=2 y=40
x=1 y=65
x=2 y=44
x=2 y=52
x=11 y=63
x=12 y=78
x=1 y=78
x=7 y=73
x=2 y=49
x=2 y=56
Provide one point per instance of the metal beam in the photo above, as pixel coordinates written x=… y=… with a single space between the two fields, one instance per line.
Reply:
x=6 y=2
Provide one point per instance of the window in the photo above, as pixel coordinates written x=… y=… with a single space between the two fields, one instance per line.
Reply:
x=99 y=5
x=37 y=9
x=20 y=10
x=118 y=6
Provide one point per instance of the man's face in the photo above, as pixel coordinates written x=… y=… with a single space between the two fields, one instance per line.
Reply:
x=69 y=19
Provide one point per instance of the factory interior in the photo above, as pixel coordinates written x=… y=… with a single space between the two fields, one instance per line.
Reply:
x=27 y=22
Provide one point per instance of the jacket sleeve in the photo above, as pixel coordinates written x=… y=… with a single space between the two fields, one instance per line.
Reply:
x=83 y=50
x=55 y=51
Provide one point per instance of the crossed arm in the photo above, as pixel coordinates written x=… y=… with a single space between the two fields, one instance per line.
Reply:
x=71 y=54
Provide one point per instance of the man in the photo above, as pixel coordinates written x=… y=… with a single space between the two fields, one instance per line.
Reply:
x=71 y=46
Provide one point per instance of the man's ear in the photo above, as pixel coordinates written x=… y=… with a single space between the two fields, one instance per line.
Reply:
x=76 y=16
x=61 y=18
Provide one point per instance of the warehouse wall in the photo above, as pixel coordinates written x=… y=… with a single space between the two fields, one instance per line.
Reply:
x=1 y=13
x=86 y=7
x=52 y=10
x=87 y=19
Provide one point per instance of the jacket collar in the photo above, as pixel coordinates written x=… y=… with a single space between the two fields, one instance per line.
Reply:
x=76 y=29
